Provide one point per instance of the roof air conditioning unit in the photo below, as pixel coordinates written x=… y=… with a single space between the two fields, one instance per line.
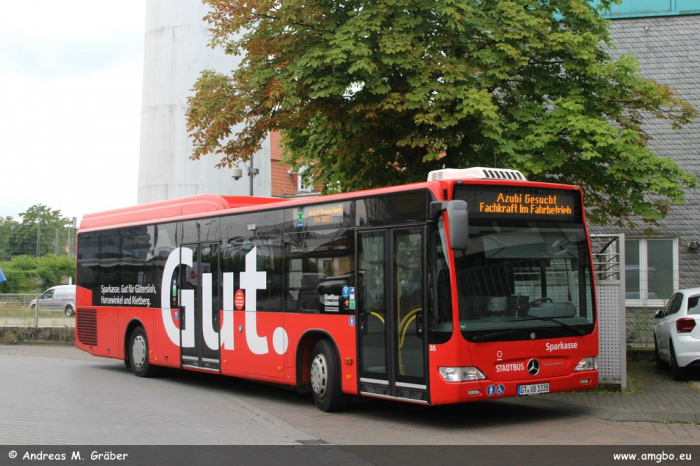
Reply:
x=476 y=173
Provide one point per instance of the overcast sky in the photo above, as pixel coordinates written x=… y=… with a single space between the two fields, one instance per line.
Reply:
x=70 y=104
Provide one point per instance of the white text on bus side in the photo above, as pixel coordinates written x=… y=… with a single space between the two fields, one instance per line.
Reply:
x=251 y=280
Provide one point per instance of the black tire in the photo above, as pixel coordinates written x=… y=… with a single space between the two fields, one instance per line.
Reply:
x=325 y=378
x=660 y=363
x=69 y=311
x=678 y=373
x=138 y=355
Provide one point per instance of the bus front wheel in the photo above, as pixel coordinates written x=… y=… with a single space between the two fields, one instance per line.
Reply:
x=138 y=355
x=325 y=378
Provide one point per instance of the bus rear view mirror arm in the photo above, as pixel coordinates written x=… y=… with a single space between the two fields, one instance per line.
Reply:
x=458 y=217
x=437 y=208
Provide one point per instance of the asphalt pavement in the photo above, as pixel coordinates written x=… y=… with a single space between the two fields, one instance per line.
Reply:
x=651 y=396
x=653 y=402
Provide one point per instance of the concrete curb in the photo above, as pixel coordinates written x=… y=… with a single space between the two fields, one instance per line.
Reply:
x=13 y=335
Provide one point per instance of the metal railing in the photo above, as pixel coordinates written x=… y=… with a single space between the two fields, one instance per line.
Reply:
x=15 y=311
x=650 y=284
x=640 y=323
x=645 y=290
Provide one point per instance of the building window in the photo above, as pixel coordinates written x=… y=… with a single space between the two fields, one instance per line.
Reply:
x=301 y=186
x=651 y=269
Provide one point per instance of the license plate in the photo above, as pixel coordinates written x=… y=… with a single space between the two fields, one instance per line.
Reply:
x=533 y=389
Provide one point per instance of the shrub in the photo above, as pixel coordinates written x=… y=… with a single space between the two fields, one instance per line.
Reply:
x=27 y=274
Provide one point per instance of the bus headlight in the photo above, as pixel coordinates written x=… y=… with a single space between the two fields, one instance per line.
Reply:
x=587 y=364
x=461 y=374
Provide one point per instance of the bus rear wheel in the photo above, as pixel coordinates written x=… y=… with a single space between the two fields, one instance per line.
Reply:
x=138 y=355
x=325 y=378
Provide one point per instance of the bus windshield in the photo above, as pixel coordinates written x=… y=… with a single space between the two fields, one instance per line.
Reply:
x=524 y=280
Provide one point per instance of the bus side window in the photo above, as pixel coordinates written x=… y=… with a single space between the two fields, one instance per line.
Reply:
x=259 y=231
x=88 y=272
x=318 y=265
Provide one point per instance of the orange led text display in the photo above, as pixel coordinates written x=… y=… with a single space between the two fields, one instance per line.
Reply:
x=525 y=204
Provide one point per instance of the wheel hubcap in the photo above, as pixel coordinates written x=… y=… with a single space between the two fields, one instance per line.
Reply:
x=319 y=375
x=138 y=352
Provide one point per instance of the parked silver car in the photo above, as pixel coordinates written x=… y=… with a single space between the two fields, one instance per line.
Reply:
x=59 y=298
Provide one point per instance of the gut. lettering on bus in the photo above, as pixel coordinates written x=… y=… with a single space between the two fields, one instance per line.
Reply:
x=251 y=280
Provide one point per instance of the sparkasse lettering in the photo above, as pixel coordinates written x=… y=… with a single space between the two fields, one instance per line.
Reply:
x=561 y=346
x=109 y=289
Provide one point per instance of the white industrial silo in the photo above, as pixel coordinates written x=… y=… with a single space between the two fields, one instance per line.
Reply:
x=176 y=51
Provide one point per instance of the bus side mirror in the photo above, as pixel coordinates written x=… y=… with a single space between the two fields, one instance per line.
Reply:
x=458 y=218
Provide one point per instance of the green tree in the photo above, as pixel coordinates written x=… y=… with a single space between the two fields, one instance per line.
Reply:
x=373 y=93
x=7 y=224
x=39 y=227
x=29 y=274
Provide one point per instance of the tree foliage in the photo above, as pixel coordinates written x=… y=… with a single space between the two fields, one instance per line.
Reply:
x=7 y=224
x=28 y=274
x=40 y=227
x=374 y=93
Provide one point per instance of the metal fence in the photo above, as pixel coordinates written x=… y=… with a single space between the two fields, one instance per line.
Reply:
x=650 y=284
x=610 y=294
x=645 y=291
x=15 y=311
x=640 y=327
x=646 y=295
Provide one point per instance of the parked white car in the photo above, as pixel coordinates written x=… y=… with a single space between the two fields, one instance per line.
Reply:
x=59 y=298
x=677 y=333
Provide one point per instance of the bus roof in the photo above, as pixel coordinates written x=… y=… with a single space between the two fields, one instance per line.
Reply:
x=172 y=209
x=195 y=206
x=199 y=205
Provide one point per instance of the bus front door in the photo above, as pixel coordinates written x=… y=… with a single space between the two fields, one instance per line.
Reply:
x=392 y=294
x=199 y=308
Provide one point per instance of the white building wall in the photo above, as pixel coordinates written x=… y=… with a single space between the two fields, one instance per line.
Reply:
x=176 y=51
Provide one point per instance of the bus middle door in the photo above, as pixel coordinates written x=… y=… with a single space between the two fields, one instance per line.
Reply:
x=392 y=351
x=199 y=308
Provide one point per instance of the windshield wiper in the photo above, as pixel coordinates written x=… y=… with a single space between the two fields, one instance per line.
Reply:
x=494 y=336
x=576 y=330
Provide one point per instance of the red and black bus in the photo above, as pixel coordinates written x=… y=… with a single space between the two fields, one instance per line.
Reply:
x=474 y=285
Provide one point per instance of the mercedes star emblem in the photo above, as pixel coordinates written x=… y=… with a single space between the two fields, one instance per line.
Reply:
x=533 y=367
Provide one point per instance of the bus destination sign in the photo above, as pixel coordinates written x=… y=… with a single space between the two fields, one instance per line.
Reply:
x=520 y=202
x=321 y=215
